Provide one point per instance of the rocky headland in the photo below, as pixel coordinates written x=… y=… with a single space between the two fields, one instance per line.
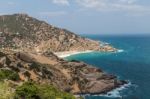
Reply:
x=27 y=47
x=72 y=76
x=22 y=32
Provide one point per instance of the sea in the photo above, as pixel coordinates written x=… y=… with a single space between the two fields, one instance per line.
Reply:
x=131 y=63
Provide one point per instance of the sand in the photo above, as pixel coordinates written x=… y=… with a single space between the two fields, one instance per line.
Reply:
x=69 y=53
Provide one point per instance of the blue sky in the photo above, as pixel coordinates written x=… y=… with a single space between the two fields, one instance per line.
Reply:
x=87 y=16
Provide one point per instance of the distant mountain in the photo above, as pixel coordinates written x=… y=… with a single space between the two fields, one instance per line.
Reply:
x=22 y=32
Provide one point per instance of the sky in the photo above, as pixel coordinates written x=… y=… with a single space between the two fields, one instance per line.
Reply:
x=105 y=17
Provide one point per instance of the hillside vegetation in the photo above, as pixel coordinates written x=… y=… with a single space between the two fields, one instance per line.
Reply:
x=22 y=32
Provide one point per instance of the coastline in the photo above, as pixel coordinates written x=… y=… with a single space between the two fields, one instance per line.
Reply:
x=114 y=92
x=69 y=53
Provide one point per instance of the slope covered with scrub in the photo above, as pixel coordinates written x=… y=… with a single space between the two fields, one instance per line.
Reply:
x=22 y=32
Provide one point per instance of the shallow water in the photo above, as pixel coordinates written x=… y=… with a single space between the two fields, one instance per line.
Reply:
x=132 y=63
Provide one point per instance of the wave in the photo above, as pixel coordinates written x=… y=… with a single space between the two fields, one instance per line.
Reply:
x=116 y=93
x=120 y=51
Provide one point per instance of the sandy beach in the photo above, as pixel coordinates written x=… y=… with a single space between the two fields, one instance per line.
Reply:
x=69 y=53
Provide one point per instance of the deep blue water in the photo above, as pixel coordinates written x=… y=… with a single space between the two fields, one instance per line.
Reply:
x=132 y=64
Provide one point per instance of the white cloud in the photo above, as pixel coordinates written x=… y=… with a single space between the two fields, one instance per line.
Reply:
x=127 y=6
x=113 y=5
x=53 y=14
x=61 y=2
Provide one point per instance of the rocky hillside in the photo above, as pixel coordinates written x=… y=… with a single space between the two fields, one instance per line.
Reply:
x=22 y=32
x=73 y=77
x=26 y=54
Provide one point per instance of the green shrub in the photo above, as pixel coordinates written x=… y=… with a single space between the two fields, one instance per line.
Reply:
x=27 y=91
x=14 y=76
x=35 y=66
x=50 y=92
x=30 y=90
x=8 y=74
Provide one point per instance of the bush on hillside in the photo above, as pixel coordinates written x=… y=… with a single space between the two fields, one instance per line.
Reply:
x=8 y=74
x=27 y=91
x=50 y=92
x=30 y=90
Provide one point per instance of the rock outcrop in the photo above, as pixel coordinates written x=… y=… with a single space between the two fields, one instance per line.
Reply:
x=74 y=76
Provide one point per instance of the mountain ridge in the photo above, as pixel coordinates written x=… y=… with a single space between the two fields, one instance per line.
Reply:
x=23 y=32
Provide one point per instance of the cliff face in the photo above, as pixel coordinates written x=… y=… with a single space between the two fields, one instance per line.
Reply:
x=20 y=31
x=74 y=76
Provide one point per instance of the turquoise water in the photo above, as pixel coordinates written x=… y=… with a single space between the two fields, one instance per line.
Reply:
x=132 y=64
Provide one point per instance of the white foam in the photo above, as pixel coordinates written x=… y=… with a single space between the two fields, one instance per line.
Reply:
x=120 y=51
x=116 y=93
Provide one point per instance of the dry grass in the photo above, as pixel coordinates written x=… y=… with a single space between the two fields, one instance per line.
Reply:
x=6 y=92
